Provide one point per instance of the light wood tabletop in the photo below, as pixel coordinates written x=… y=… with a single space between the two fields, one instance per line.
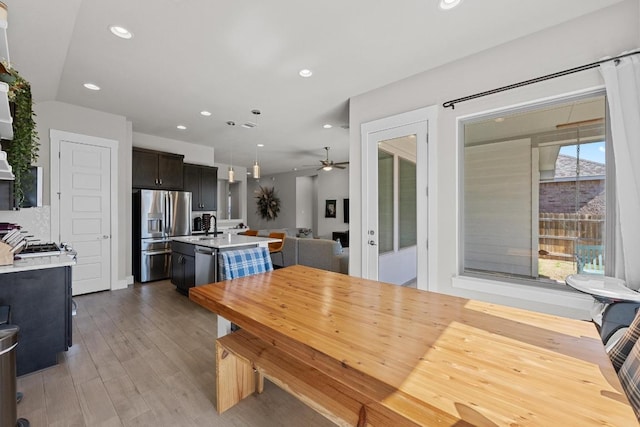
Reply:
x=432 y=358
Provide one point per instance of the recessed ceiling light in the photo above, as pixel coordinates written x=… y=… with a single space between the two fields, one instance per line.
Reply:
x=121 y=32
x=181 y=127
x=449 y=4
x=305 y=73
x=499 y=119
x=327 y=126
x=260 y=145
x=91 y=86
x=205 y=113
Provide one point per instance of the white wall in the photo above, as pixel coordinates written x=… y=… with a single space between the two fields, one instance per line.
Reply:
x=584 y=40
x=330 y=185
x=240 y=186
x=304 y=202
x=37 y=221
x=71 y=118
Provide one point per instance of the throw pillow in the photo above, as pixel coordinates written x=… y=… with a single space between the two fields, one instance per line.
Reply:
x=622 y=348
x=630 y=378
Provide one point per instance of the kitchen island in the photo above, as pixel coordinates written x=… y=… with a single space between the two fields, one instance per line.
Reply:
x=194 y=259
x=38 y=290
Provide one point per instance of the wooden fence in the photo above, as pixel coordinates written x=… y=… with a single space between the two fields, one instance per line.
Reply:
x=558 y=233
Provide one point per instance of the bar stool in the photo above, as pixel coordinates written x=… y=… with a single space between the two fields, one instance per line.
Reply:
x=276 y=247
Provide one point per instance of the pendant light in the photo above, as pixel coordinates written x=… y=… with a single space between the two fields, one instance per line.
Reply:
x=231 y=173
x=256 y=165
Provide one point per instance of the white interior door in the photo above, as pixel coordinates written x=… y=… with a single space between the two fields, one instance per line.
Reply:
x=85 y=187
x=384 y=255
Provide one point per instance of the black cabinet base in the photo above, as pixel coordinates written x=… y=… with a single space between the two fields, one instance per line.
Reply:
x=183 y=291
x=40 y=303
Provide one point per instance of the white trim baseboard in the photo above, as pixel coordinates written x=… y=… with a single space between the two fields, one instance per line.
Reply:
x=123 y=284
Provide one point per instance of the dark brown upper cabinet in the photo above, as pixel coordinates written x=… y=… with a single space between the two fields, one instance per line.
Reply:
x=202 y=181
x=157 y=170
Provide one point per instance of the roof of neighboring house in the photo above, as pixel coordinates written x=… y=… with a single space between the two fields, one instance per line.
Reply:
x=566 y=167
x=595 y=206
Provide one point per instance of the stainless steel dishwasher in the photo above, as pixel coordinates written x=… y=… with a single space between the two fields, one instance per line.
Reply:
x=206 y=265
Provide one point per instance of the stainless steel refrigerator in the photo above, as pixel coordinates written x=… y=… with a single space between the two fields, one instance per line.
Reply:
x=158 y=216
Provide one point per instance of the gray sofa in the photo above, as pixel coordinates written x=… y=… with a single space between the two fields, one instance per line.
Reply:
x=319 y=253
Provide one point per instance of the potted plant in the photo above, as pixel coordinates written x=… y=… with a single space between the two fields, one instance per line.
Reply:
x=22 y=151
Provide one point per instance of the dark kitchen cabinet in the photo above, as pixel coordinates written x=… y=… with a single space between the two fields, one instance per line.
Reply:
x=157 y=170
x=183 y=266
x=40 y=303
x=202 y=181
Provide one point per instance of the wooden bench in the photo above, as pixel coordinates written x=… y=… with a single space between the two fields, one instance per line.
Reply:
x=242 y=361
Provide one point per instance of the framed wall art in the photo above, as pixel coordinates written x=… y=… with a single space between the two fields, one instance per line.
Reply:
x=330 y=209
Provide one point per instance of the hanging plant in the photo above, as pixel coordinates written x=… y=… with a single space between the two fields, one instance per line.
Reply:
x=22 y=151
x=268 y=203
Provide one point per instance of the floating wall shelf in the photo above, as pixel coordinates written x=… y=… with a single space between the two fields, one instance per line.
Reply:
x=6 y=121
x=4 y=42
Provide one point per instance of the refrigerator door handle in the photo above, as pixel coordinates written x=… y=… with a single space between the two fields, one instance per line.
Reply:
x=167 y=216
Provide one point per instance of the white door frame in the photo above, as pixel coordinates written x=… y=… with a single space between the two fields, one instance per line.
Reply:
x=56 y=136
x=425 y=181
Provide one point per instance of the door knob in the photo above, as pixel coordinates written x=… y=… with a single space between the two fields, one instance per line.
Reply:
x=372 y=242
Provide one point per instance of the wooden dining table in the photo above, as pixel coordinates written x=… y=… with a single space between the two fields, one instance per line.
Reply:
x=413 y=357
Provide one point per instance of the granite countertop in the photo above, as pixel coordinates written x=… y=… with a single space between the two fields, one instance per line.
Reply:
x=226 y=241
x=38 y=263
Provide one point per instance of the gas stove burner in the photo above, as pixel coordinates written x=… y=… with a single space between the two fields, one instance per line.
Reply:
x=40 y=249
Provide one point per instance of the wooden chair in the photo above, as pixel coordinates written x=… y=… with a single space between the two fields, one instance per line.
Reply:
x=590 y=259
x=275 y=248
x=251 y=233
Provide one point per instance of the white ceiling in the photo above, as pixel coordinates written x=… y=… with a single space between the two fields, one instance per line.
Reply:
x=231 y=57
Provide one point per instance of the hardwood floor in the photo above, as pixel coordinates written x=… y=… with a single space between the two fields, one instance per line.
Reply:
x=145 y=356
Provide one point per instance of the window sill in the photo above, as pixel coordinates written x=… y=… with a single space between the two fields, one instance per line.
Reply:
x=564 y=302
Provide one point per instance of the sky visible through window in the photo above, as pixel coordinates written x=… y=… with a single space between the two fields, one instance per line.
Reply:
x=593 y=151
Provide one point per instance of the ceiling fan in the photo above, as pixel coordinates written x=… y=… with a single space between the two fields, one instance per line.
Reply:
x=327 y=164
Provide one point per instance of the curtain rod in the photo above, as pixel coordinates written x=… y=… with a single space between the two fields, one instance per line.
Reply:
x=536 y=80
